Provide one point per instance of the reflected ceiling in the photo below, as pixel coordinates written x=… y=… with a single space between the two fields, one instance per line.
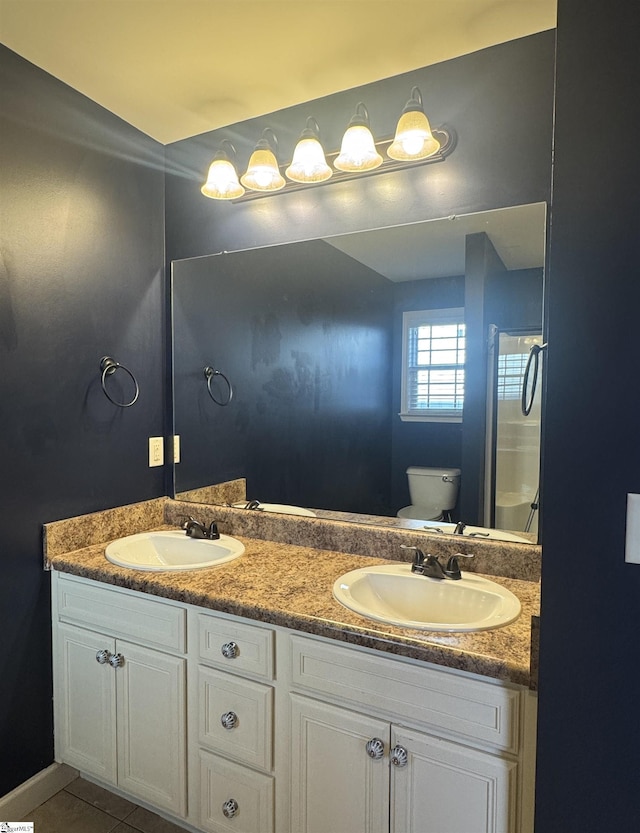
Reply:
x=177 y=68
x=436 y=249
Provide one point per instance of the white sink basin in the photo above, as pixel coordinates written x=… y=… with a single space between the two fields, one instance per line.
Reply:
x=282 y=508
x=479 y=532
x=392 y=593
x=171 y=551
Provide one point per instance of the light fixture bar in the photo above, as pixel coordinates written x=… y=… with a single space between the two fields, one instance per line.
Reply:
x=444 y=135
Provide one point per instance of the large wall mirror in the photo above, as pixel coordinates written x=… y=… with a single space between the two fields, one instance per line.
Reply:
x=309 y=337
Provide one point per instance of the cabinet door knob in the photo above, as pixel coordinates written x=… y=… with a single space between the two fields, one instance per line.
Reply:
x=230 y=808
x=116 y=660
x=230 y=650
x=399 y=756
x=375 y=748
x=103 y=656
x=229 y=720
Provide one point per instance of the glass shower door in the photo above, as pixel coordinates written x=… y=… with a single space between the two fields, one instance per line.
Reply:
x=517 y=437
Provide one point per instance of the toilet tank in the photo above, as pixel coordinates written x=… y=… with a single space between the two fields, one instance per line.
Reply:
x=433 y=487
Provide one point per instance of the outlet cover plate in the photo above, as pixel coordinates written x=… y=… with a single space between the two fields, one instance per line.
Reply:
x=632 y=543
x=156 y=451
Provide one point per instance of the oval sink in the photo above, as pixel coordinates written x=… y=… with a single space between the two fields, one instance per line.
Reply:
x=282 y=508
x=479 y=532
x=171 y=551
x=392 y=593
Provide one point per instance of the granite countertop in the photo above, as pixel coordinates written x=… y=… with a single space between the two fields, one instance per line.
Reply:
x=291 y=585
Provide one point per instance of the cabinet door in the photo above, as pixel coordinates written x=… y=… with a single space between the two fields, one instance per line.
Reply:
x=335 y=785
x=152 y=726
x=447 y=788
x=85 y=702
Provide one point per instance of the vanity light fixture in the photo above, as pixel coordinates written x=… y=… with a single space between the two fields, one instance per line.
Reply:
x=309 y=163
x=358 y=150
x=263 y=173
x=222 y=181
x=413 y=139
x=360 y=155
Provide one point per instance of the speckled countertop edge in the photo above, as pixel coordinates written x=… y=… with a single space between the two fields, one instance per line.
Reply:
x=291 y=585
x=496 y=558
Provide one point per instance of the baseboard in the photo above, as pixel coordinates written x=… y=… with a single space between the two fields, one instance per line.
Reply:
x=32 y=793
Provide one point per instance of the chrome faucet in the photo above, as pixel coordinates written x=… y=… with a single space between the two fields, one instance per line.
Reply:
x=429 y=566
x=196 y=529
x=460 y=528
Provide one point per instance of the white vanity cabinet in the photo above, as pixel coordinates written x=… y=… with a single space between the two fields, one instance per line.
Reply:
x=236 y=726
x=120 y=688
x=232 y=739
x=379 y=745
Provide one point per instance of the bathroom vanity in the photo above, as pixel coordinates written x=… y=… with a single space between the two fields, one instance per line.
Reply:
x=245 y=698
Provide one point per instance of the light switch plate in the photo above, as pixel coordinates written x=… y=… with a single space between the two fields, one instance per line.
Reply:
x=632 y=543
x=156 y=451
x=176 y=448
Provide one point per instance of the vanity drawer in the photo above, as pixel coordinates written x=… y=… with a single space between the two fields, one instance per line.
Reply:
x=235 y=647
x=235 y=717
x=234 y=797
x=119 y=613
x=488 y=713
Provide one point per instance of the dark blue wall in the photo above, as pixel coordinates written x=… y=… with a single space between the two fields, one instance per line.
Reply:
x=81 y=259
x=303 y=332
x=589 y=725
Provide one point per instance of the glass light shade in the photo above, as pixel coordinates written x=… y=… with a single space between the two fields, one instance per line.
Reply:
x=358 y=150
x=262 y=173
x=413 y=139
x=222 y=181
x=308 y=163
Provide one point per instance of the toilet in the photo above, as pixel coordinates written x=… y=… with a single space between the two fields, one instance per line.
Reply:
x=434 y=493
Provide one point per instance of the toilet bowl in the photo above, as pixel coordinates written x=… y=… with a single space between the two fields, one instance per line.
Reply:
x=433 y=491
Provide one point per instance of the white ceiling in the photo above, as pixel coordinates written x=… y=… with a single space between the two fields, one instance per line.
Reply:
x=436 y=248
x=177 y=68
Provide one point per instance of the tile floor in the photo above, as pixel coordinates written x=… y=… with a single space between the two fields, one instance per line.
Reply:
x=83 y=807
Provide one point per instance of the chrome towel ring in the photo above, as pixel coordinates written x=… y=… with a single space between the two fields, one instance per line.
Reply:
x=108 y=367
x=209 y=373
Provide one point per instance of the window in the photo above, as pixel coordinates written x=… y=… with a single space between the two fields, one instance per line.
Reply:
x=433 y=356
x=511 y=367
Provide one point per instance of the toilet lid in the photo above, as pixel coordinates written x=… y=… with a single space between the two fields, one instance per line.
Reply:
x=420 y=513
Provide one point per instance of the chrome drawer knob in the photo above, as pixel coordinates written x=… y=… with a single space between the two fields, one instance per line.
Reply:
x=230 y=650
x=229 y=720
x=230 y=808
x=116 y=660
x=399 y=756
x=103 y=656
x=375 y=748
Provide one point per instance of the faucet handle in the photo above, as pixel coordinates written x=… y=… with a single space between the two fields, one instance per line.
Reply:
x=194 y=528
x=418 y=558
x=452 y=570
x=188 y=519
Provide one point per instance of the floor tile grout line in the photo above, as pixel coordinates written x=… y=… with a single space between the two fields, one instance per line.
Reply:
x=126 y=820
x=106 y=812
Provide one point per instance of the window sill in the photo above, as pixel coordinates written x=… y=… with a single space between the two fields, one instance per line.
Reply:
x=430 y=418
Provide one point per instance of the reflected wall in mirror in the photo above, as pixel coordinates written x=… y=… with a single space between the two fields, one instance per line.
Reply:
x=310 y=336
